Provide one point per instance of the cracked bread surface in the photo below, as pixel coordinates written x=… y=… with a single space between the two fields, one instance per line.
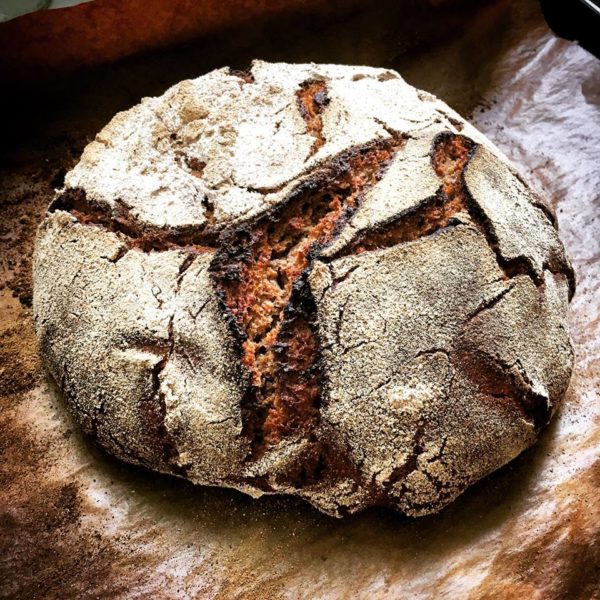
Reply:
x=304 y=279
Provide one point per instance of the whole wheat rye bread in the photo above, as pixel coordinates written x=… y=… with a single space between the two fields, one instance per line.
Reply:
x=304 y=279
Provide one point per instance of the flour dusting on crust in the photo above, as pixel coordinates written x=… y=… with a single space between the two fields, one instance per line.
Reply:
x=305 y=279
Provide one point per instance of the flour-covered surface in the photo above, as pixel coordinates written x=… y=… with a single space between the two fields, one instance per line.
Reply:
x=75 y=523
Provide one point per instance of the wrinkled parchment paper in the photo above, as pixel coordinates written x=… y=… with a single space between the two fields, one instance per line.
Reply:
x=75 y=523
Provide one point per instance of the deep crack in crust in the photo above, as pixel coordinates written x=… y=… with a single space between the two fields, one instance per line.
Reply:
x=449 y=157
x=260 y=272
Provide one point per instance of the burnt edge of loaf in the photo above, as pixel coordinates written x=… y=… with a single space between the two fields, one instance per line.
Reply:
x=505 y=385
x=280 y=347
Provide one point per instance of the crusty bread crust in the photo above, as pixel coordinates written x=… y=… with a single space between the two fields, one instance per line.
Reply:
x=306 y=279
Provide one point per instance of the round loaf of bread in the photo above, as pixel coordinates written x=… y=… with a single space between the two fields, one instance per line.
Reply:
x=304 y=279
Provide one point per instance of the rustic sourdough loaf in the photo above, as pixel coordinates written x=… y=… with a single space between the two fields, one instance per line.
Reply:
x=304 y=279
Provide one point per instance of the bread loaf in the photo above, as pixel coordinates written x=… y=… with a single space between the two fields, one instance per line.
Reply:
x=304 y=279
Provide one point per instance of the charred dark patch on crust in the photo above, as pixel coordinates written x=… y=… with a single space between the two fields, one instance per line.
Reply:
x=260 y=274
x=312 y=100
x=296 y=407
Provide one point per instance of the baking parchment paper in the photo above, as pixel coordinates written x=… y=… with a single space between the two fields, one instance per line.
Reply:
x=75 y=523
